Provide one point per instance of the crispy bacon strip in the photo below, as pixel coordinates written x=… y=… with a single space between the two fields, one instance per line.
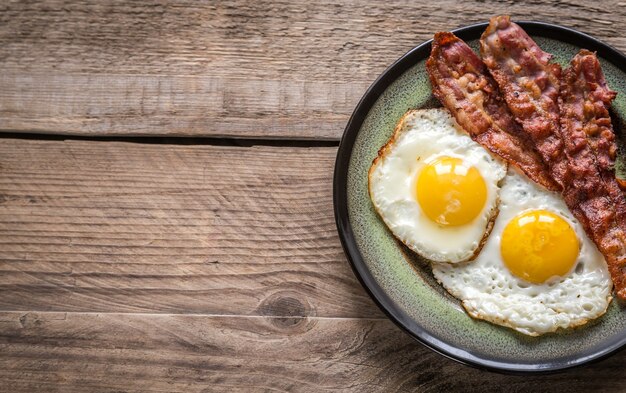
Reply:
x=585 y=75
x=530 y=85
x=461 y=82
x=591 y=190
x=586 y=81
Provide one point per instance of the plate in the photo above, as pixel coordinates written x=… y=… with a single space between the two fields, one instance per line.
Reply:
x=399 y=281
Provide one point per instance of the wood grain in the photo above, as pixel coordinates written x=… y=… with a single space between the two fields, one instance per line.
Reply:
x=276 y=69
x=127 y=227
x=73 y=352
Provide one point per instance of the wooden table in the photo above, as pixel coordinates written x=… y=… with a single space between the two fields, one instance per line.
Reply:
x=166 y=219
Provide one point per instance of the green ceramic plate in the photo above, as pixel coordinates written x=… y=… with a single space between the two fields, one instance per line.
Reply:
x=402 y=284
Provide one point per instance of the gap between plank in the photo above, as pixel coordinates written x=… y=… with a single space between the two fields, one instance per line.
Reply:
x=176 y=140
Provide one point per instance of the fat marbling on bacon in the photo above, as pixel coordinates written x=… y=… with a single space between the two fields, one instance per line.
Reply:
x=462 y=83
x=591 y=190
x=530 y=85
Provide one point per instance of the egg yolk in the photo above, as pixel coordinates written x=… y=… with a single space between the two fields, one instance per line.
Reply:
x=537 y=245
x=450 y=192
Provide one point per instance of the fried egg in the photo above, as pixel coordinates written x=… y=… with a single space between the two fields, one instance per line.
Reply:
x=537 y=272
x=435 y=188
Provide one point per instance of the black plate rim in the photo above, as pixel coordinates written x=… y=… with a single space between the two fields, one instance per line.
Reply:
x=344 y=228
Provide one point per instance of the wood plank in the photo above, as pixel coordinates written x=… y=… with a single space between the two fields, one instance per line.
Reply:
x=72 y=352
x=112 y=226
x=278 y=69
x=145 y=105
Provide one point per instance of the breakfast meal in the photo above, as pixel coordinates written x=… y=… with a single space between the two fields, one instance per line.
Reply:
x=509 y=190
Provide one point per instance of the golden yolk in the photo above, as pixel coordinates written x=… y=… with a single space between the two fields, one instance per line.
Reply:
x=450 y=192
x=537 y=245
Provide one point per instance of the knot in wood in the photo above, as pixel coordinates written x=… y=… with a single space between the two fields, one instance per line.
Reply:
x=285 y=309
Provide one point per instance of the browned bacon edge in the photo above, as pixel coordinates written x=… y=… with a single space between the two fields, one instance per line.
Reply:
x=461 y=82
x=530 y=85
x=591 y=190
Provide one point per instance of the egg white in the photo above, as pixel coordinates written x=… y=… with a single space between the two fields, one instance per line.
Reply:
x=420 y=137
x=489 y=291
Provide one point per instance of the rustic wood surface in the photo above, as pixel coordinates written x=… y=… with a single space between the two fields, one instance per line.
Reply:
x=209 y=264
x=128 y=227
